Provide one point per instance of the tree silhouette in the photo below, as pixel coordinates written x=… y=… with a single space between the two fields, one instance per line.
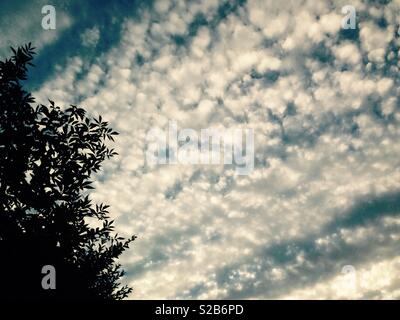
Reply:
x=47 y=156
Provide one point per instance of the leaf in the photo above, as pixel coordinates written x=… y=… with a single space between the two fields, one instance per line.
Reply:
x=47 y=157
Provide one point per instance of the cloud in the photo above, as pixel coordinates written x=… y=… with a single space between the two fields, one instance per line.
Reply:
x=90 y=37
x=324 y=192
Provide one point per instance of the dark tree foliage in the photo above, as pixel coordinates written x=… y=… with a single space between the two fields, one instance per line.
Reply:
x=47 y=156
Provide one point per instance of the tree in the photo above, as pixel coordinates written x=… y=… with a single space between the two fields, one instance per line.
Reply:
x=47 y=156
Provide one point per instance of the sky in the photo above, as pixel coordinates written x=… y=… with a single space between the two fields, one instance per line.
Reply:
x=317 y=218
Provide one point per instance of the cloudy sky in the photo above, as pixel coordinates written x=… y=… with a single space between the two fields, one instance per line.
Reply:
x=318 y=217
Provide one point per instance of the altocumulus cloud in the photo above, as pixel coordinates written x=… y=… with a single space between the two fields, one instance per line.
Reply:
x=323 y=103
